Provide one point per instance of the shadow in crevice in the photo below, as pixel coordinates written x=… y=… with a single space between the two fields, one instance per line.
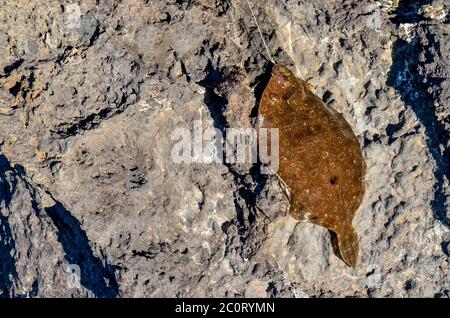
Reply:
x=6 y=191
x=97 y=277
x=216 y=105
x=8 y=271
x=413 y=88
x=445 y=246
x=260 y=85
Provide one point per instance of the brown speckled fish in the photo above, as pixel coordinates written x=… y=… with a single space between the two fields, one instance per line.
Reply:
x=320 y=159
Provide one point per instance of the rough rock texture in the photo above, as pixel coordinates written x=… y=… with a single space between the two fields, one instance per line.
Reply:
x=91 y=91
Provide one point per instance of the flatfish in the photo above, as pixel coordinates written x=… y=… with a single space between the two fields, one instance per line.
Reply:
x=320 y=159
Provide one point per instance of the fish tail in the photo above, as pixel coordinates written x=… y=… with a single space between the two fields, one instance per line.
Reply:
x=348 y=246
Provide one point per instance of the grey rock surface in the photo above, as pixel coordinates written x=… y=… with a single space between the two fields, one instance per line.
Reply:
x=91 y=92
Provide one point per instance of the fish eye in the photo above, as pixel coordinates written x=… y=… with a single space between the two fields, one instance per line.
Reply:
x=274 y=97
x=284 y=81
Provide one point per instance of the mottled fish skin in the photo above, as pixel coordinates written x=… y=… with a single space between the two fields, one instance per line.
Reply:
x=320 y=159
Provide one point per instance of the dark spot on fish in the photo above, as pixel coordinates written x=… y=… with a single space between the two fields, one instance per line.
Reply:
x=333 y=180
